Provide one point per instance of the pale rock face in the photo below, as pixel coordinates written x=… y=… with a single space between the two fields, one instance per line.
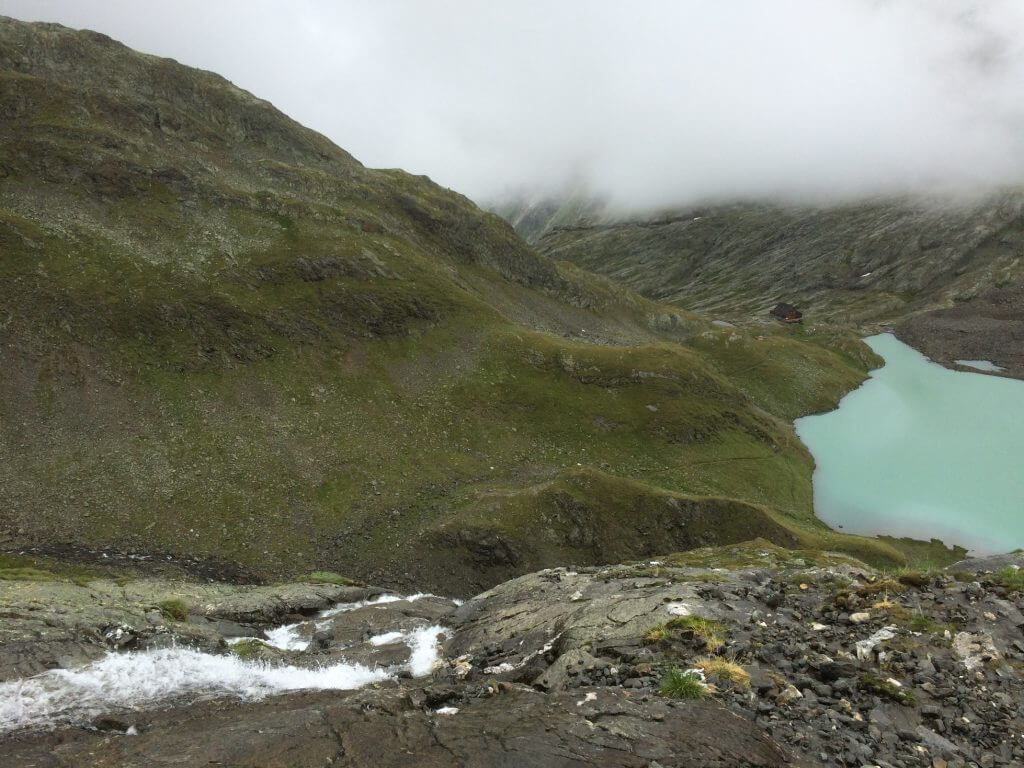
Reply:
x=866 y=648
x=789 y=694
x=974 y=649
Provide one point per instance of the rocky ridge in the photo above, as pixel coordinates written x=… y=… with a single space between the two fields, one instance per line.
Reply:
x=856 y=262
x=786 y=657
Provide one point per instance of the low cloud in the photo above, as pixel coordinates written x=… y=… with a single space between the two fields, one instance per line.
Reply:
x=648 y=103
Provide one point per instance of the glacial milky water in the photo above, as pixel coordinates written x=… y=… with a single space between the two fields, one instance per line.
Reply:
x=919 y=450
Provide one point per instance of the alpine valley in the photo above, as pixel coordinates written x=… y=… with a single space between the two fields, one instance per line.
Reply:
x=262 y=405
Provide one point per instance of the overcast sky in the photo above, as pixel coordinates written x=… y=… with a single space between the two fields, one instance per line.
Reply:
x=649 y=102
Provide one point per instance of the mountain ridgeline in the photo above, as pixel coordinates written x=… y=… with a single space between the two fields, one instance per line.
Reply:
x=226 y=341
x=875 y=261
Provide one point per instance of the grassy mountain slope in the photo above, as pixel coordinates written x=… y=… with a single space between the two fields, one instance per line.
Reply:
x=850 y=263
x=224 y=338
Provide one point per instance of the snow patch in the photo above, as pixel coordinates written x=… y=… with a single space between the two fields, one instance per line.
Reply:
x=981 y=365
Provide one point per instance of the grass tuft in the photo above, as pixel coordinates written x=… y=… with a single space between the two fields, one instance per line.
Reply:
x=25 y=574
x=173 y=610
x=881 y=586
x=726 y=670
x=1010 y=578
x=912 y=578
x=655 y=635
x=712 y=632
x=678 y=684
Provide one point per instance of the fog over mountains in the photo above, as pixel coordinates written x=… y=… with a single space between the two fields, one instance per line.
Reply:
x=663 y=103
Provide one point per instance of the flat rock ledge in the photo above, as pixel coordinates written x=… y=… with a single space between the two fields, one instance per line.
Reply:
x=803 y=659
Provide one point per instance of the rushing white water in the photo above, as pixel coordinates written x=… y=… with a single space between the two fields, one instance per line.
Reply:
x=286 y=638
x=923 y=451
x=123 y=681
x=423 y=643
x=127 y=680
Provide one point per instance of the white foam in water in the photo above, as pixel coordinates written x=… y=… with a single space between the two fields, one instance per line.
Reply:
x=423 y=643
x=144 y=678
x=286 y=638
x=379 y=600
x=387 y=637
x=126 y=680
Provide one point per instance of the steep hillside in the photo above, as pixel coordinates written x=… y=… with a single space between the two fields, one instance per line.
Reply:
x=534 y=215
x=225 y=339
x=873 y=261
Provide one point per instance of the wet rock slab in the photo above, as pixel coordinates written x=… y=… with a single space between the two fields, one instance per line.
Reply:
x=392 y=727
x=53 y=624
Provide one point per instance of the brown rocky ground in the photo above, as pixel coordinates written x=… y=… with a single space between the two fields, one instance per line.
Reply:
x=990 y=327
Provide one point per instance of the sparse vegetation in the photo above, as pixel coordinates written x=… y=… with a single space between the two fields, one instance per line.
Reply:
x=21 y=568
x=1010 y=578
x=727 y=261
x=914 y=578
x=248 y=649
x=713 y=633
x=655 y=635
x=173 y=609
x=724 y=669
x=25 y=573
x=680 y=684
x=882 y=586
x=885 y=689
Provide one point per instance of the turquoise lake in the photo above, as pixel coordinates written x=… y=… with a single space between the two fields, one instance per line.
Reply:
x=919 y=450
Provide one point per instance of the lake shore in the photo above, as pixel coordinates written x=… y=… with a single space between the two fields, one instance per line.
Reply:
x=921 y=451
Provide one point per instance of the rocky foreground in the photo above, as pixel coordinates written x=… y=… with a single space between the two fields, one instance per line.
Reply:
x=743 y=656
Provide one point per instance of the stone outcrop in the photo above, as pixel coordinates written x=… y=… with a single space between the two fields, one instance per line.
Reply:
x=570 y=667
x=51 y=624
